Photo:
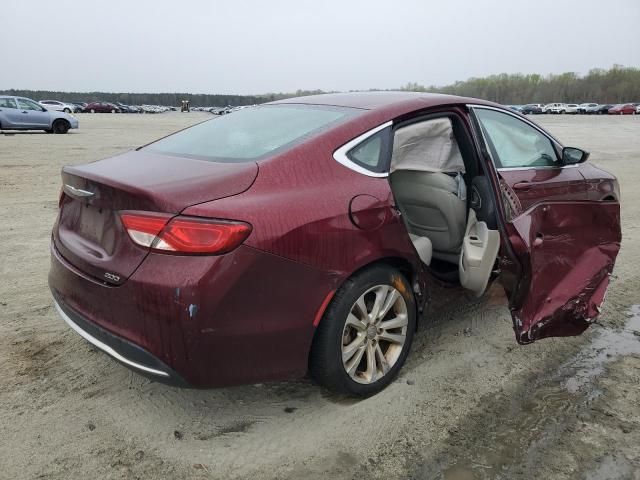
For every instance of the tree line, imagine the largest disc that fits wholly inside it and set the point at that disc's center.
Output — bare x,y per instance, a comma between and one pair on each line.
618,84
167,99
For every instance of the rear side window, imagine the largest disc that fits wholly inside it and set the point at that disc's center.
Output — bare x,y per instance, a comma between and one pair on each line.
372,153
251,133
7,103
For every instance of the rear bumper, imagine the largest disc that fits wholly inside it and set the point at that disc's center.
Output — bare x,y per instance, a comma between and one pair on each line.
125,352
205,321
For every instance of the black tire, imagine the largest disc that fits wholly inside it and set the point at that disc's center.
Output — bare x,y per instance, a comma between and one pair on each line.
60,126
66,110
325,359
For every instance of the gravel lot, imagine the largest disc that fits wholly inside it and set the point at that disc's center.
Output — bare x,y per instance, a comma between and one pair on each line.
470,403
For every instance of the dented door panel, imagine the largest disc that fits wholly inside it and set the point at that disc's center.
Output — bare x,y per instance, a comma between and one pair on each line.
567,251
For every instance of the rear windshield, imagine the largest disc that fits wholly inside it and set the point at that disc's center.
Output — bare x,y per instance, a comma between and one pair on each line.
251,133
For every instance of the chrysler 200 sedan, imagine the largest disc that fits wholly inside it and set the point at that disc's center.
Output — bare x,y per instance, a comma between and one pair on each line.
303,236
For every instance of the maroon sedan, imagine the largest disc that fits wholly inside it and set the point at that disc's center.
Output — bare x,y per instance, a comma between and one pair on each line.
303,236
101,107
623,109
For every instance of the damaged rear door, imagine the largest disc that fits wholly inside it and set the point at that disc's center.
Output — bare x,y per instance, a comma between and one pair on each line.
558,250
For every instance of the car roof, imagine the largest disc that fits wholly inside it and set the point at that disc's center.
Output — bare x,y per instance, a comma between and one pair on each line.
381,100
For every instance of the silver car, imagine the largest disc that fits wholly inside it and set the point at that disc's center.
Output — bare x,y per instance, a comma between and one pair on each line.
19,113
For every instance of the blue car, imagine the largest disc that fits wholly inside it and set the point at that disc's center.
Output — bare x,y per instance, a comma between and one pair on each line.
19,113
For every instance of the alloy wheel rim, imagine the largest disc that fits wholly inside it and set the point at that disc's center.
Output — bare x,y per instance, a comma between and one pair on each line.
374,334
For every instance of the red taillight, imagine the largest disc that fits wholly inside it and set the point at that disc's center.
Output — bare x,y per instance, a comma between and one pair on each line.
189,235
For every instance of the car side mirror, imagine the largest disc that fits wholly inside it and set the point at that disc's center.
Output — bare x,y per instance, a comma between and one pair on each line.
572,156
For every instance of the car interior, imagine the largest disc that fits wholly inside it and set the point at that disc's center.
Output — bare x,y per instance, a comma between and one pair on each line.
433,166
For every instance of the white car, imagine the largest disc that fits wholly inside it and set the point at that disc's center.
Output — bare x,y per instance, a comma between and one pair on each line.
572,108
586,107
555,108
58,106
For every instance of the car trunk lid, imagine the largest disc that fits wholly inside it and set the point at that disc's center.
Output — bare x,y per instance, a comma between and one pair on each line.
89,233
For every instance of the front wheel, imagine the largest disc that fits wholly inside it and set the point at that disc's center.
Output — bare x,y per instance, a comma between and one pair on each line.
365,334
60,126
66,110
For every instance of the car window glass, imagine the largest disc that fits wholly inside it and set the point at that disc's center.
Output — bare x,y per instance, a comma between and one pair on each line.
515,143
7,103
368,152
28,105
251,133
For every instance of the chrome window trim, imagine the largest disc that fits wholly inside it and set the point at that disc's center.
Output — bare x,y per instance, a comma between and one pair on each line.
106,348
340,155
76,192
528,122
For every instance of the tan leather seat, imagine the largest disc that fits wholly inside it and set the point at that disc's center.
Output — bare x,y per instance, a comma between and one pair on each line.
430,204
424,165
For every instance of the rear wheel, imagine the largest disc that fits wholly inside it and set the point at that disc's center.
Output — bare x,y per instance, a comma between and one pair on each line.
93,111
365,334
66,110
60,126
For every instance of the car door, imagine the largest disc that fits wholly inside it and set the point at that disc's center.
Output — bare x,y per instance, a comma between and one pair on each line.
557,250
10,116
33,115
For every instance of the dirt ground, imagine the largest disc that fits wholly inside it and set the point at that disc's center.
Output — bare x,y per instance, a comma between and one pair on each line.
469,404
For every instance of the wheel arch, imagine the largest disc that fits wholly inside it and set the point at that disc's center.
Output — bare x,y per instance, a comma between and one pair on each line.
401,264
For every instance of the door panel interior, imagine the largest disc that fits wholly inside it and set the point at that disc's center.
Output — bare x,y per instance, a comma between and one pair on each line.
477,258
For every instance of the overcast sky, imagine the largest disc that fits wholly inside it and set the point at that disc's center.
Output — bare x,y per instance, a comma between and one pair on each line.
242,46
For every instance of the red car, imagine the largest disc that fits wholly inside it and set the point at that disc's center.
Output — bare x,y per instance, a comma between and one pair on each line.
623,109
303,236
101,107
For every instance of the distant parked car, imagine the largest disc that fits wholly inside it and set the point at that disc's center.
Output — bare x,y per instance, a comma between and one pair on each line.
532,108
126,108
515,108
80,105
555,108
601,109
637,108
19,113
102,107
59,106
584,107
623,109
572,108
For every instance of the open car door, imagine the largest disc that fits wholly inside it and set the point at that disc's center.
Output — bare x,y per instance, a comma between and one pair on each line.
557,254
